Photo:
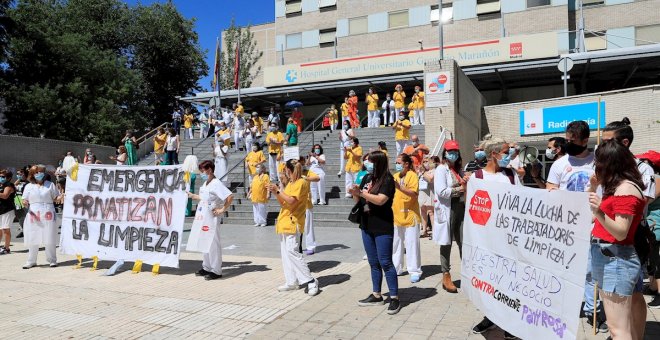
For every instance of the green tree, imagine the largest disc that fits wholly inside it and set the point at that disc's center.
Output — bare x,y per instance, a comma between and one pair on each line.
249,56
5,26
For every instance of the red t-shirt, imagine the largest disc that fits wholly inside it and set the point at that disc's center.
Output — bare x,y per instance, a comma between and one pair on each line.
622,205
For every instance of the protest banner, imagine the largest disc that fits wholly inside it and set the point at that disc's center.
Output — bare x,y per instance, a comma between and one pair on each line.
125,213
525,255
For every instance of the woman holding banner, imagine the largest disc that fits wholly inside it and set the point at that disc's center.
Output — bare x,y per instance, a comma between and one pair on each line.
41,225
292,193
215,200
616,266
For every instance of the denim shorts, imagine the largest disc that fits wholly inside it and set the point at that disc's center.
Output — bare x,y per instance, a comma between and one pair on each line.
616,268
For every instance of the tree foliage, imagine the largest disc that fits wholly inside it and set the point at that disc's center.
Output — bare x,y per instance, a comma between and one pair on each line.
86,70
5,27
249,56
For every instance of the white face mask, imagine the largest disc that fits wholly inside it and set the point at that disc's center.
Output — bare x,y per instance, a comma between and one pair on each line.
254,148
549,154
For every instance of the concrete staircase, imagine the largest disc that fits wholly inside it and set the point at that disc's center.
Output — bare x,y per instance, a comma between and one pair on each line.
335,213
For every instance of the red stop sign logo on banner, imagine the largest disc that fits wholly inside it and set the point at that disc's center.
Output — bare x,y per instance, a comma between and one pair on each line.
480,207
433,87
442,79
205,228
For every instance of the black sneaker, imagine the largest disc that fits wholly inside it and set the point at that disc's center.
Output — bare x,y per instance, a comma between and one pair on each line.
600,322
655,303
509,336
395,306
371,300
211,276
201,272
4,251
483,326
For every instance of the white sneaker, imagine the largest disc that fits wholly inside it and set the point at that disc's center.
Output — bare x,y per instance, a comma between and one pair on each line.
313,288
29,265
263,225
256,225
339,174
365,257
285,288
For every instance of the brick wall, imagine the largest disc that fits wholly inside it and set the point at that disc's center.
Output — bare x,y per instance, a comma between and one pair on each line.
641,105
637,13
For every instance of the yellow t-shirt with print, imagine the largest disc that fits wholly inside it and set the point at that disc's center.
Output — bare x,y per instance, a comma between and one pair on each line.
419,100
291,219
225,132
372,102
254,158
344,110
398,98
404,207
188,119
333,116
402,131
354,160
259,123
279,137
259,188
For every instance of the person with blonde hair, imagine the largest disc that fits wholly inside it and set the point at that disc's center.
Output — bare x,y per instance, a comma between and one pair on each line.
259,195
399,98
292,193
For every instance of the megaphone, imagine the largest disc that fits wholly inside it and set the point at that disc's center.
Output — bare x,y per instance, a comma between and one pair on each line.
528,155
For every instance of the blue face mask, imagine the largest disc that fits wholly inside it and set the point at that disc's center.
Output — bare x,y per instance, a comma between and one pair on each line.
451,156
369,166
481,154
512,151
3,180
204,176
39,176
19,177
504,162
398,167
317,151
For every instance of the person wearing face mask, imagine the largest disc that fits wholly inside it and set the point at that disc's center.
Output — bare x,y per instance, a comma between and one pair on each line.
515,164
373,115
238,129
21,211
353,156
406,219
416,151
254,159
214,199
292,193
275,140
89,158
496,170
401,133
367,168
249,135
554,151
121,156
353,110
332,114
449,190
221,160
427,196
316,163
273,118
291,134
258,122
259,195
39,197
7,208
388,111
172,146
345,136
308,235
131,145
344,111
479,161
399,98
418,101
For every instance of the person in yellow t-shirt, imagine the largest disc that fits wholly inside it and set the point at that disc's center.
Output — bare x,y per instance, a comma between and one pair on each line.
253,159
419,102
333,117
259,195
274,139
292,193
159,145
407,219
344,111
399,98
373,114
238,109
223,136
401,133
353,156
188,119
258,122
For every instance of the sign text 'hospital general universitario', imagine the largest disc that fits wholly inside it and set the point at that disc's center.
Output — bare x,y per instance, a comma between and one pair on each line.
501,50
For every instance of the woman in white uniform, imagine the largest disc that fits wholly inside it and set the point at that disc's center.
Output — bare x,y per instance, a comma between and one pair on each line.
316,163
214,199
221,161
41,225
345,137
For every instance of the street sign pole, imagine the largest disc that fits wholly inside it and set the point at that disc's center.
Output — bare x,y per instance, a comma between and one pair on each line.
565,79
565,64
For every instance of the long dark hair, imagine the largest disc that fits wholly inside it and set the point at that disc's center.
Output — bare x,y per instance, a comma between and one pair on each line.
458,165
614,164
381,171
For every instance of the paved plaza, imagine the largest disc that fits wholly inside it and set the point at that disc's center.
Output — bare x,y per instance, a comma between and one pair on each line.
67,303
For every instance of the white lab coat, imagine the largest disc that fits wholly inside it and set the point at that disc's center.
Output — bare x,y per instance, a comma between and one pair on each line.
442,184
221,162
41,226
214,194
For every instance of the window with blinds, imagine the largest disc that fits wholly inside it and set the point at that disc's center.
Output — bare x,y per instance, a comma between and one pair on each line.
293,41
358,25
293,6
447,13
595,42
327,36
537,3
488,6
645,35
327,3
398,19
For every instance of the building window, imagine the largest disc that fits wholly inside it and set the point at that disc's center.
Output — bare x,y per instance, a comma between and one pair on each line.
586,3
595,42
537,3
645,35
487,7
293,7
398,19
293,41
327,4
327,37
447,13
357,25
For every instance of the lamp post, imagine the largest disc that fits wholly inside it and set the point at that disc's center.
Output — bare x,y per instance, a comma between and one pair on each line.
442,44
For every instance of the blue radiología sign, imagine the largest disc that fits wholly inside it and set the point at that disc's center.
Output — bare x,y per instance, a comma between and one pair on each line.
555,119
